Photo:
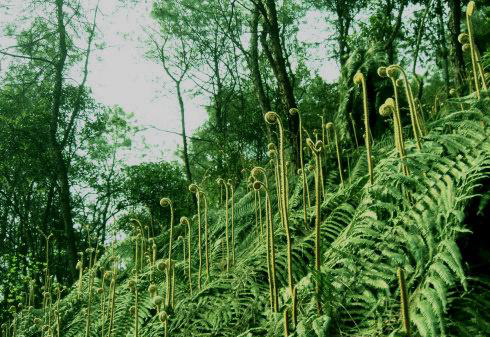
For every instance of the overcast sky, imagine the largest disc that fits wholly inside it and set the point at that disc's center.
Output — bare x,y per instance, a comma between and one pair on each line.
121,75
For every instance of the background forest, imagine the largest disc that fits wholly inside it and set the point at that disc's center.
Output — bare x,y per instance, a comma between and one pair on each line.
356,209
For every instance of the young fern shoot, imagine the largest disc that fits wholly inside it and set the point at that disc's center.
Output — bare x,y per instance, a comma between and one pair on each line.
185,221
271,257
404,301
360,80
293,112
386,109
273,118
193,188
221,182
230,185
392,72
475,54
330,126
166,202
316,148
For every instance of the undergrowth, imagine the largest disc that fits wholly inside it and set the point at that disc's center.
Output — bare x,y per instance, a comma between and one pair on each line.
412,222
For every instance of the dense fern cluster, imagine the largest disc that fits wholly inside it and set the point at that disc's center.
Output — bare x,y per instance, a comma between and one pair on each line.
367,231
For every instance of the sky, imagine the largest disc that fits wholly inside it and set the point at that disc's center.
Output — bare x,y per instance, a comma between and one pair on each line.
119,74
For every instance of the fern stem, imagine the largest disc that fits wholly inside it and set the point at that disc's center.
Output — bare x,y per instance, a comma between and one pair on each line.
337,148
294,306
89,304
172,264
480,68
185,221
102,304
206,236
469,13
316,149
257,186
354,129
303,177
257,231
293,112
391,71
322,184
271,118
221,181
286,323
112,289
260,216
360,80
273,154
269,235
164,202
232,222
58,318
404,301
194,189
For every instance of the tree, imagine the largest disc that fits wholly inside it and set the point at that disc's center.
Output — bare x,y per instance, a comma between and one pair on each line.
98,169
145,184
176,57
344,11
272,45
64,110
48,122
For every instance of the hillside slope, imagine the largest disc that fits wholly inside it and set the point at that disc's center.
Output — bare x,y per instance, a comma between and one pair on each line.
416,222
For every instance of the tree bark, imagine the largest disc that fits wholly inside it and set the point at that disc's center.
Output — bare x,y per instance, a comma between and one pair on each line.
459,73
59,161
253,59
390,42
184,136
420,35
278,64
343,25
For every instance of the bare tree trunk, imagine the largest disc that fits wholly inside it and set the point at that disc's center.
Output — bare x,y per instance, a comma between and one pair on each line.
264,101
459,73
343,25
184,136
177,79
60,163
420,35
278,64
390,43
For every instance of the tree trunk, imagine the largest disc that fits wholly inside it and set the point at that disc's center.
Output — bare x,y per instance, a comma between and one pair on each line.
264,101
390,43
278,64
59,160
218,105
457,60
343,25
184,136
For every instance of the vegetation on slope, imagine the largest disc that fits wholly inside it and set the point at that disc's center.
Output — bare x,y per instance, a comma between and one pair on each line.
413,222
